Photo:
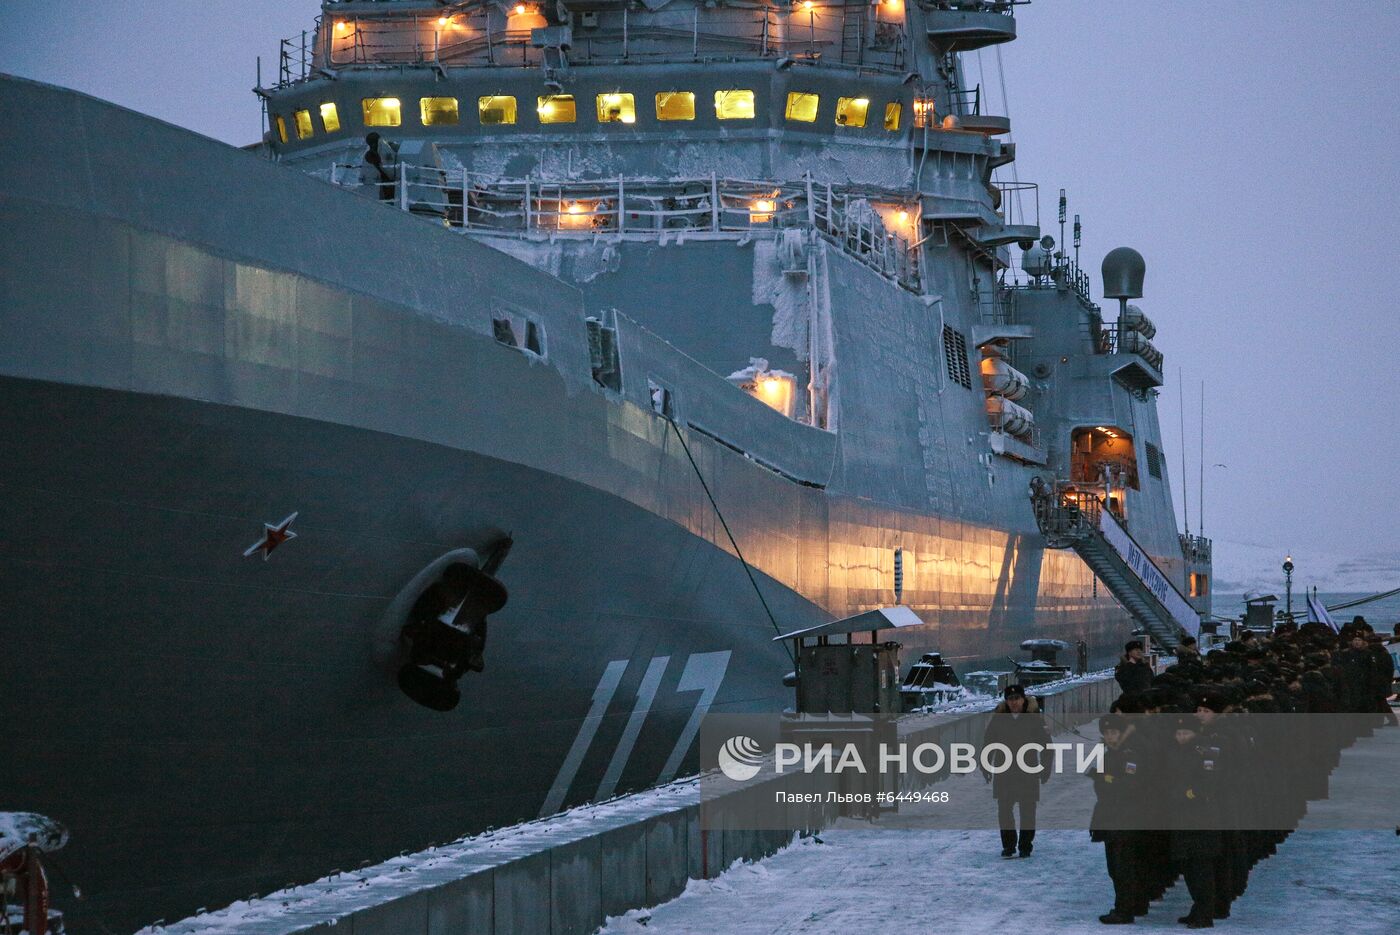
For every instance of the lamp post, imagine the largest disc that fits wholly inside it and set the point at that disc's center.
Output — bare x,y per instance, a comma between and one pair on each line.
1288,586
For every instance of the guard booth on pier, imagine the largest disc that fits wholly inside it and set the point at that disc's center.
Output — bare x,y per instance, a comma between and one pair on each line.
1259,612
848,692
837,675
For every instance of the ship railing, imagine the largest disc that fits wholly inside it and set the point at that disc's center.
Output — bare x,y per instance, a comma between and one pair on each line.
1116,339
1081,511
485,35
1018,203
1196,549
1006,7
1077,279
296,58
965,102
997,307
1064,274
650,207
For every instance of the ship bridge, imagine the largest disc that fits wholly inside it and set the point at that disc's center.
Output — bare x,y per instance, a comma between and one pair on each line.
852,91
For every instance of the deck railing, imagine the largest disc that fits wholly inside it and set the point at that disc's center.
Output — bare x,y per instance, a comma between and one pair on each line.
649,207
1195,548
487,35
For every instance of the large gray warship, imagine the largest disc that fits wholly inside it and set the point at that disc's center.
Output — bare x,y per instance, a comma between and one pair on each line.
641,328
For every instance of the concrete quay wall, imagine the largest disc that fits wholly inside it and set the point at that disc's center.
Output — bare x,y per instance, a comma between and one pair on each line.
567,874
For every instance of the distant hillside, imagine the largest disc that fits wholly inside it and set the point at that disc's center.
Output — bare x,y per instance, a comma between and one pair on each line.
1242,566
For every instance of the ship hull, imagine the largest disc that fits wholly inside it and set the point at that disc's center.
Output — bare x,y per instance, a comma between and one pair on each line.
209,725
218,343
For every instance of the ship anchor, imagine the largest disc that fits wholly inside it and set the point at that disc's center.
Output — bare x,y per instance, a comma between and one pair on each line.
445,634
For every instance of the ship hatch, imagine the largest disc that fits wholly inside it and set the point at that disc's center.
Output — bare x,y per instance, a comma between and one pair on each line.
1103,454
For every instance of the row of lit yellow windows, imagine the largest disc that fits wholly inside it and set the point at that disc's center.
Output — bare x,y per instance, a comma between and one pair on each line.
301,120
614,107
850,111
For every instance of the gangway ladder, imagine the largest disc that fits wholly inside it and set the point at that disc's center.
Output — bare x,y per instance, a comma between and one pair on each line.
853,17
1079,521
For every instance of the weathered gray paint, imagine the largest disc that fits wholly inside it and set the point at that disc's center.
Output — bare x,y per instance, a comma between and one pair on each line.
196,341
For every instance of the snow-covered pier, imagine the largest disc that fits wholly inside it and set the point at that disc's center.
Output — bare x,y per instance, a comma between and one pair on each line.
876,881
567,873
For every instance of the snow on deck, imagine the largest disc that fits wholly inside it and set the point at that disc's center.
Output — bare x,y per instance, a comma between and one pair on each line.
855,878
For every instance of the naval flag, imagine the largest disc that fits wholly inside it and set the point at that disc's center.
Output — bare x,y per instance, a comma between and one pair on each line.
1318,614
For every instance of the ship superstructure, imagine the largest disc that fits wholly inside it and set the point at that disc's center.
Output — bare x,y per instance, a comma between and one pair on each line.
679,323
728,174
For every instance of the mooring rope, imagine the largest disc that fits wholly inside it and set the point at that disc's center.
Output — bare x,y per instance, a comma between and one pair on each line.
737,551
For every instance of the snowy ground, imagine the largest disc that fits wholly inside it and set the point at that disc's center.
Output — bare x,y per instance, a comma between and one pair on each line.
859,880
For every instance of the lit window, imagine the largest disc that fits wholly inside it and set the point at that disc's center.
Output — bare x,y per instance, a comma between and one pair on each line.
892,116
576,215
495,110
773,389
303,121
381,111
924,115
330,119
281,127
438,111
802,106
556,108
850,111
761,210
616,108
734,105
675,105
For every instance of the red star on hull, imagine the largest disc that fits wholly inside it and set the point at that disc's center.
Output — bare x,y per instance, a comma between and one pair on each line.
272,537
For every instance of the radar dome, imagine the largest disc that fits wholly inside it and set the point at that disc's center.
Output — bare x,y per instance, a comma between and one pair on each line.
1036,261
1123,271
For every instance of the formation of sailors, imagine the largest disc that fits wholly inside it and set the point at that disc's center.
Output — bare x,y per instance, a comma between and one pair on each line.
1215,779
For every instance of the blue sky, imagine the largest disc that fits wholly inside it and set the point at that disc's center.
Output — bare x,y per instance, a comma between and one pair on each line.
1248,150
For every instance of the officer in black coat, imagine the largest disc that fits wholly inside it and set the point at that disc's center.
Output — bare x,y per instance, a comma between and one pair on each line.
1133,672
1116,793
1190,785
1356,666
1017,722
1225,745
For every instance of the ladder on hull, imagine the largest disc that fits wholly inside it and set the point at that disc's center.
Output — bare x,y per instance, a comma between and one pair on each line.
1078,521
853,17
